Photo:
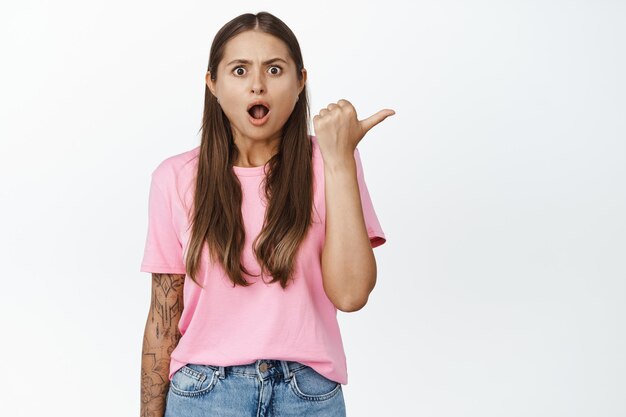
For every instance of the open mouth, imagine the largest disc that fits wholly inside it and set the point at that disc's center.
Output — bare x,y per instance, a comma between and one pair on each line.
258,111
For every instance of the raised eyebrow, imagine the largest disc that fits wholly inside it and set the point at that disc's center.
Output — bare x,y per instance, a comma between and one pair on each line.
245,61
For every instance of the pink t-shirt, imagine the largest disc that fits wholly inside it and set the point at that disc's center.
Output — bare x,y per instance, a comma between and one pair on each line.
224,326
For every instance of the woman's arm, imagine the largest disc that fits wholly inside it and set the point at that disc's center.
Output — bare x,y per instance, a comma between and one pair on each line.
348,263
160,337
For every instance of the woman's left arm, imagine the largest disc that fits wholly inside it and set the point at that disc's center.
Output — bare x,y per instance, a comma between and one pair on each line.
348,263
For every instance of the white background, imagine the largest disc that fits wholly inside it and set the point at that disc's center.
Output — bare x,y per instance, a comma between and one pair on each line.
500,184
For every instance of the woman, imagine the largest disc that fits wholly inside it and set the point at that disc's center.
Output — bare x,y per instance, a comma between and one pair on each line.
262,232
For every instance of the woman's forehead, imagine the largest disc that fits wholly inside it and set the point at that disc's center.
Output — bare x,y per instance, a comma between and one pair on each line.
255,47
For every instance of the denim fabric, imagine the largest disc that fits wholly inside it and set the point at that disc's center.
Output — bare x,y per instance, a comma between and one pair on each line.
265,388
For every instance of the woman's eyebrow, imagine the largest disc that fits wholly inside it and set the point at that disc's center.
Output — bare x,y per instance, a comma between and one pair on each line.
246,61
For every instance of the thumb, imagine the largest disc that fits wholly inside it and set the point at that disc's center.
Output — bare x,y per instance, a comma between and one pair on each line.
376,118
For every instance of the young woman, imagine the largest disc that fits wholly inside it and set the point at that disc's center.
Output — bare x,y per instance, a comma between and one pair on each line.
262,232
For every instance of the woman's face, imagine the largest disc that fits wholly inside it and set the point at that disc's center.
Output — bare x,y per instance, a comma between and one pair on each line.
245,75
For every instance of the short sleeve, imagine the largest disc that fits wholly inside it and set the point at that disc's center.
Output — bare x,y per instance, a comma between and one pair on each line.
374,230
163,252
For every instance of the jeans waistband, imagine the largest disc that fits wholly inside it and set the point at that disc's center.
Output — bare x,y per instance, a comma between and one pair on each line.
262,368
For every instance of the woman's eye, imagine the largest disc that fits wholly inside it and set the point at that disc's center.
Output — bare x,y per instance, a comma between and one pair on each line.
279,69
274,70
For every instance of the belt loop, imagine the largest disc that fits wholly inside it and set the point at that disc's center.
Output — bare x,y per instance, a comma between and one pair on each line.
286,371
222,373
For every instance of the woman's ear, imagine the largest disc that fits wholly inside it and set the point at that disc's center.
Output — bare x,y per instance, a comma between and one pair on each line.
303,80
209,82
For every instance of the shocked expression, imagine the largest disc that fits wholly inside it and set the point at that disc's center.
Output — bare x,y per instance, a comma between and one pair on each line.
256,84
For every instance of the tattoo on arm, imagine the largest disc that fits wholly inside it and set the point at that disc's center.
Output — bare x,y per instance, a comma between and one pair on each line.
166,306
167,299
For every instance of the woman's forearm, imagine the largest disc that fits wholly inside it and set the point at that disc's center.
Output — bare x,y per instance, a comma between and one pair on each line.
161,336
155,366
348,263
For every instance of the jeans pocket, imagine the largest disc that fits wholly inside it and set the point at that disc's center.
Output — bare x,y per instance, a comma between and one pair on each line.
309,384
192,380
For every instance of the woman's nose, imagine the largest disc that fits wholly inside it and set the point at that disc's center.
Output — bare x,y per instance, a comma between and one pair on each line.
258,84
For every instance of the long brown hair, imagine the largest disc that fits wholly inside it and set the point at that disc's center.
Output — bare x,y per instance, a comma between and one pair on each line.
288,185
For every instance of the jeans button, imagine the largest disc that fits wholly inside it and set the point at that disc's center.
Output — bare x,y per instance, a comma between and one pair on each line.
263,367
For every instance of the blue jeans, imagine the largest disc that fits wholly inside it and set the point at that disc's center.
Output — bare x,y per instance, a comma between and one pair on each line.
265,388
